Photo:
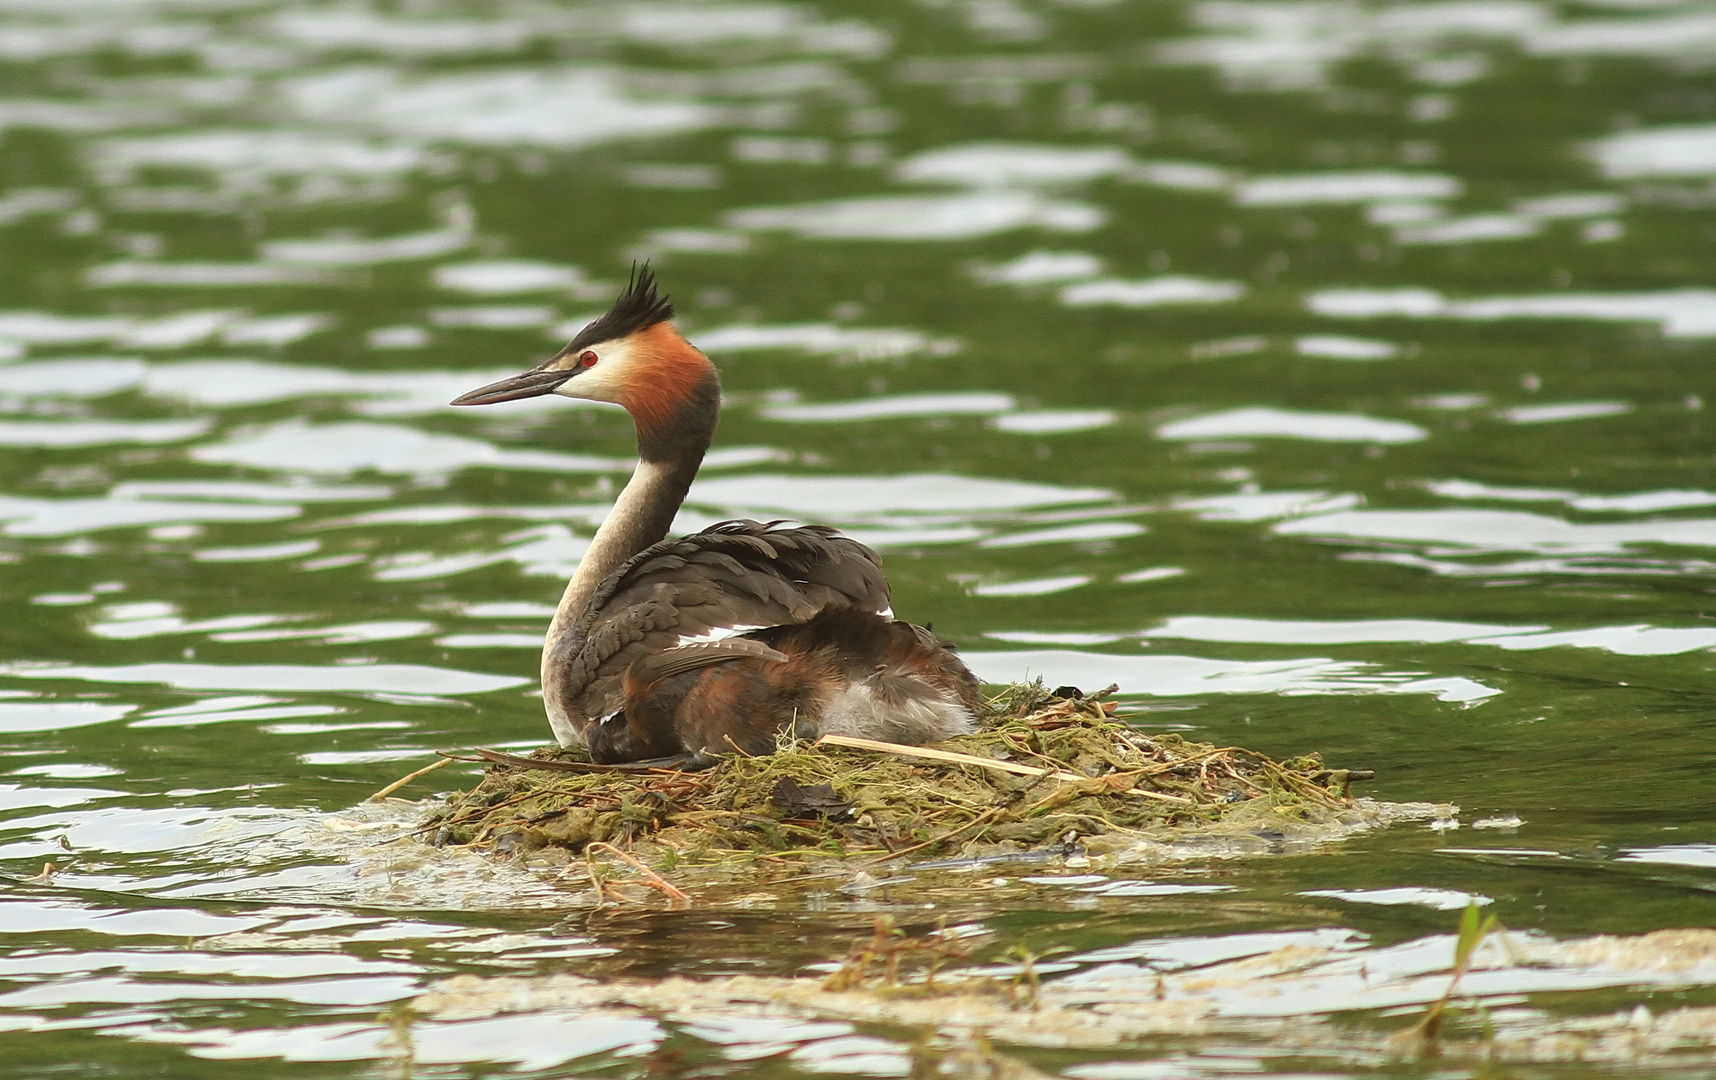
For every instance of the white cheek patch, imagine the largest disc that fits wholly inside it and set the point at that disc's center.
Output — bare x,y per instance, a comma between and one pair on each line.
605,380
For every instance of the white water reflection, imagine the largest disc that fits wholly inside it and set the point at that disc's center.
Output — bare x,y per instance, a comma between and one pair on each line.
1682,313
545,551
406,247
1338,347
1053,637
412,679
1285,48
122,990
94,376
782,27
1149,573
507,277
238,381
289,549
1150,292
45,328
177,331
1699,855
343,448
336,29
1181,953
859,1055
508,609
247,708
531,1041
249,491
1688,150
39,916
1032,586
1183,676
68,770
346,634
1180,175
1560,411
1642,502
1576,204
1005,164
1674,35
62,434
493,317
1264,505
1514,570
492,641
700,241
1450,402
1053,421
591,514
1467,531
921,217
1288,424
14,797
141,619
844,497
21,203
70,517
974,403
1040,268
1403,213
240,156
1085,532
1635,640
209,275
1304,189
562,108
82,117
397,337
22,716
1347,632
824,339
1470,489
1468,230
763,149
1224,347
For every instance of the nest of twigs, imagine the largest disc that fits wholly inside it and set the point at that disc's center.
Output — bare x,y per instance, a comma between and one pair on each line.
1047,769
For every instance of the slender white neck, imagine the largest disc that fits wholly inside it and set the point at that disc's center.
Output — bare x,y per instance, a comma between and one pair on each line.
641,516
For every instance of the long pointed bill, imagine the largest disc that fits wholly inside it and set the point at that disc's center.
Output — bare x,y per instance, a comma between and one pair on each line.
530,384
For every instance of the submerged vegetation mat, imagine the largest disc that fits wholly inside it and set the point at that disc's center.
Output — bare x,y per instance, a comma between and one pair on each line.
1243,998
1049,771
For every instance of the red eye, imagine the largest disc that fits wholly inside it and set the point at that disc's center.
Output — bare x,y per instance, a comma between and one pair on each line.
588,359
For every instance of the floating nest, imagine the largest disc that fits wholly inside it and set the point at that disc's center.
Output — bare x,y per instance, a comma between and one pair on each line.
1050,771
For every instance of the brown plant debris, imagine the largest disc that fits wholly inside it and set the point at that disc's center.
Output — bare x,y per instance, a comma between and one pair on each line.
1093,781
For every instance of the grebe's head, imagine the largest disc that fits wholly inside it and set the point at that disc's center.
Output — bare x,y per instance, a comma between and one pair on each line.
630,356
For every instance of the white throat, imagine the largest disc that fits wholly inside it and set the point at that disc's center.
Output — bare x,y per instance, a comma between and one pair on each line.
641,516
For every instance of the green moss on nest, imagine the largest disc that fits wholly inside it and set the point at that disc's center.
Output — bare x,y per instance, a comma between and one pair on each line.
808,801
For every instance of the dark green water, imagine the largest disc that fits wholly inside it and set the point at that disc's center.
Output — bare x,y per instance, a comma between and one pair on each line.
1331,375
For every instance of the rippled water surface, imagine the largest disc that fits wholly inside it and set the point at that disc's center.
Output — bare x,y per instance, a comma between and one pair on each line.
1330,375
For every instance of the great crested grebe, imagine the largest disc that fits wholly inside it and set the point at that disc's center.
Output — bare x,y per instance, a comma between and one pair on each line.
682,650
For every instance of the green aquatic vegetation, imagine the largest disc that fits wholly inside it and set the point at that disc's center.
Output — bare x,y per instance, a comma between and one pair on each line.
1423,1038
1045,771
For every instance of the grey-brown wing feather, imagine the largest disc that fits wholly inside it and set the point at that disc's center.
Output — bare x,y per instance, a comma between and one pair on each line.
701,654
734,574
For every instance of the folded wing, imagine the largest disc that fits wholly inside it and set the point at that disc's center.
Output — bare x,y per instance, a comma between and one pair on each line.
737,575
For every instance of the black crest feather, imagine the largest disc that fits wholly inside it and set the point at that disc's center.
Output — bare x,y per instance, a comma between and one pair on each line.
640,307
